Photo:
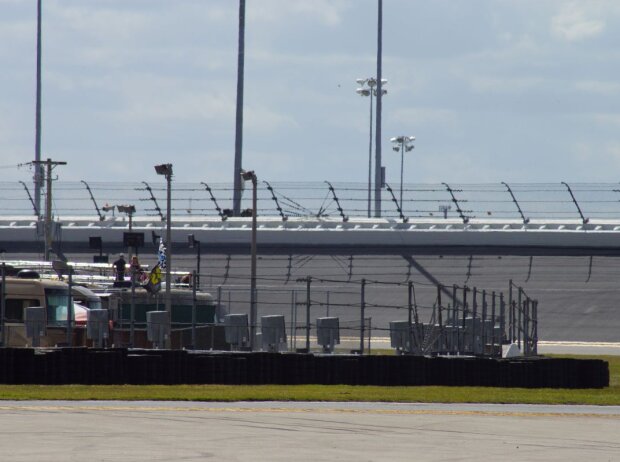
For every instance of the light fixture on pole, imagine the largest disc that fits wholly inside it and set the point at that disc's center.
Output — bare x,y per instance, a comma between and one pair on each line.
251,176
194,243
402,144
368,88
129,210
166,170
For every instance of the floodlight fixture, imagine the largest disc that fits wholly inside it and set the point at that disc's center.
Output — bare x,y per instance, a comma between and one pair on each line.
248,176
164,169
129,209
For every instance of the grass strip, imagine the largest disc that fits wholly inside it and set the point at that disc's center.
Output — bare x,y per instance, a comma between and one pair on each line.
329,393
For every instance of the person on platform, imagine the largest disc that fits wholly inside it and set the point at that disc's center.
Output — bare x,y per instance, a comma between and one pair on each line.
119,268
135,269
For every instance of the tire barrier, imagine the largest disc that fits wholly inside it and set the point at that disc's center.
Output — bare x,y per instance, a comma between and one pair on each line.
141,367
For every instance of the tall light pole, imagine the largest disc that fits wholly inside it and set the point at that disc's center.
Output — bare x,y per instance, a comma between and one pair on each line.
378,136
239,116
402,144
251,176
38,167
367,88
166,170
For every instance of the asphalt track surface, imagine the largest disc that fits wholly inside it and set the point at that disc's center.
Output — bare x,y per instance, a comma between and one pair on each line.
277,431
578,295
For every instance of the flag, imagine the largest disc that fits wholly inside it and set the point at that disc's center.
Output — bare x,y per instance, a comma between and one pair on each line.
153,283
161,256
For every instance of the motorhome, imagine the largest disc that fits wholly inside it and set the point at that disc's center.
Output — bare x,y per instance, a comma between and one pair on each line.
28,289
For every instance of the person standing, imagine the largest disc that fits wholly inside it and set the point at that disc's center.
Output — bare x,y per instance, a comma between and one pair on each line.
119,268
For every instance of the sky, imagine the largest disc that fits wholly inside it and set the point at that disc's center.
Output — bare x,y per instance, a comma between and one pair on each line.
493,90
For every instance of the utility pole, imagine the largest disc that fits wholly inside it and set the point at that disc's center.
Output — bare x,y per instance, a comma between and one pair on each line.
239,117
38,170
49,165
378,136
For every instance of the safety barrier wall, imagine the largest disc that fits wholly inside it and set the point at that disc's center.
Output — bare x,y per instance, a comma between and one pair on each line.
122,366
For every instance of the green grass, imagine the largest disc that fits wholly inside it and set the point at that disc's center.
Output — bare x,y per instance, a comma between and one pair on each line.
606,396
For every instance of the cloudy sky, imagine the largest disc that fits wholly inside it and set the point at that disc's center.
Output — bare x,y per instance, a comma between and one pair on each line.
513,90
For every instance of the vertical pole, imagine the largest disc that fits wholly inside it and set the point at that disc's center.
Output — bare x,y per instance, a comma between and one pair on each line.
38,170
295,320
370,157
510,313
239,115
168,341
253,313
48,211
132,314
196,278
464,325
484,320
3,305
410,314
518,323
502,318
327,310
308,282
362,314
473,320
439,319
292,319
70,309
493,324
535,326
194,312
402,165
455,318
439,313
378,135
369,333
526,326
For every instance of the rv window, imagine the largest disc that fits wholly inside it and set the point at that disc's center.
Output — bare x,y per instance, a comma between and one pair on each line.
14,309
57,306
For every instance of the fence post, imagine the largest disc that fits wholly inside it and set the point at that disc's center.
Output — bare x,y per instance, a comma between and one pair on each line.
484,320
327,310
462,347
535,326
474,314
410,314
369,332
308,282
3,305
502,318
439,319
526,326
510,313
455,318
296,303
292,328
193,310
493,324
362,309
518,323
